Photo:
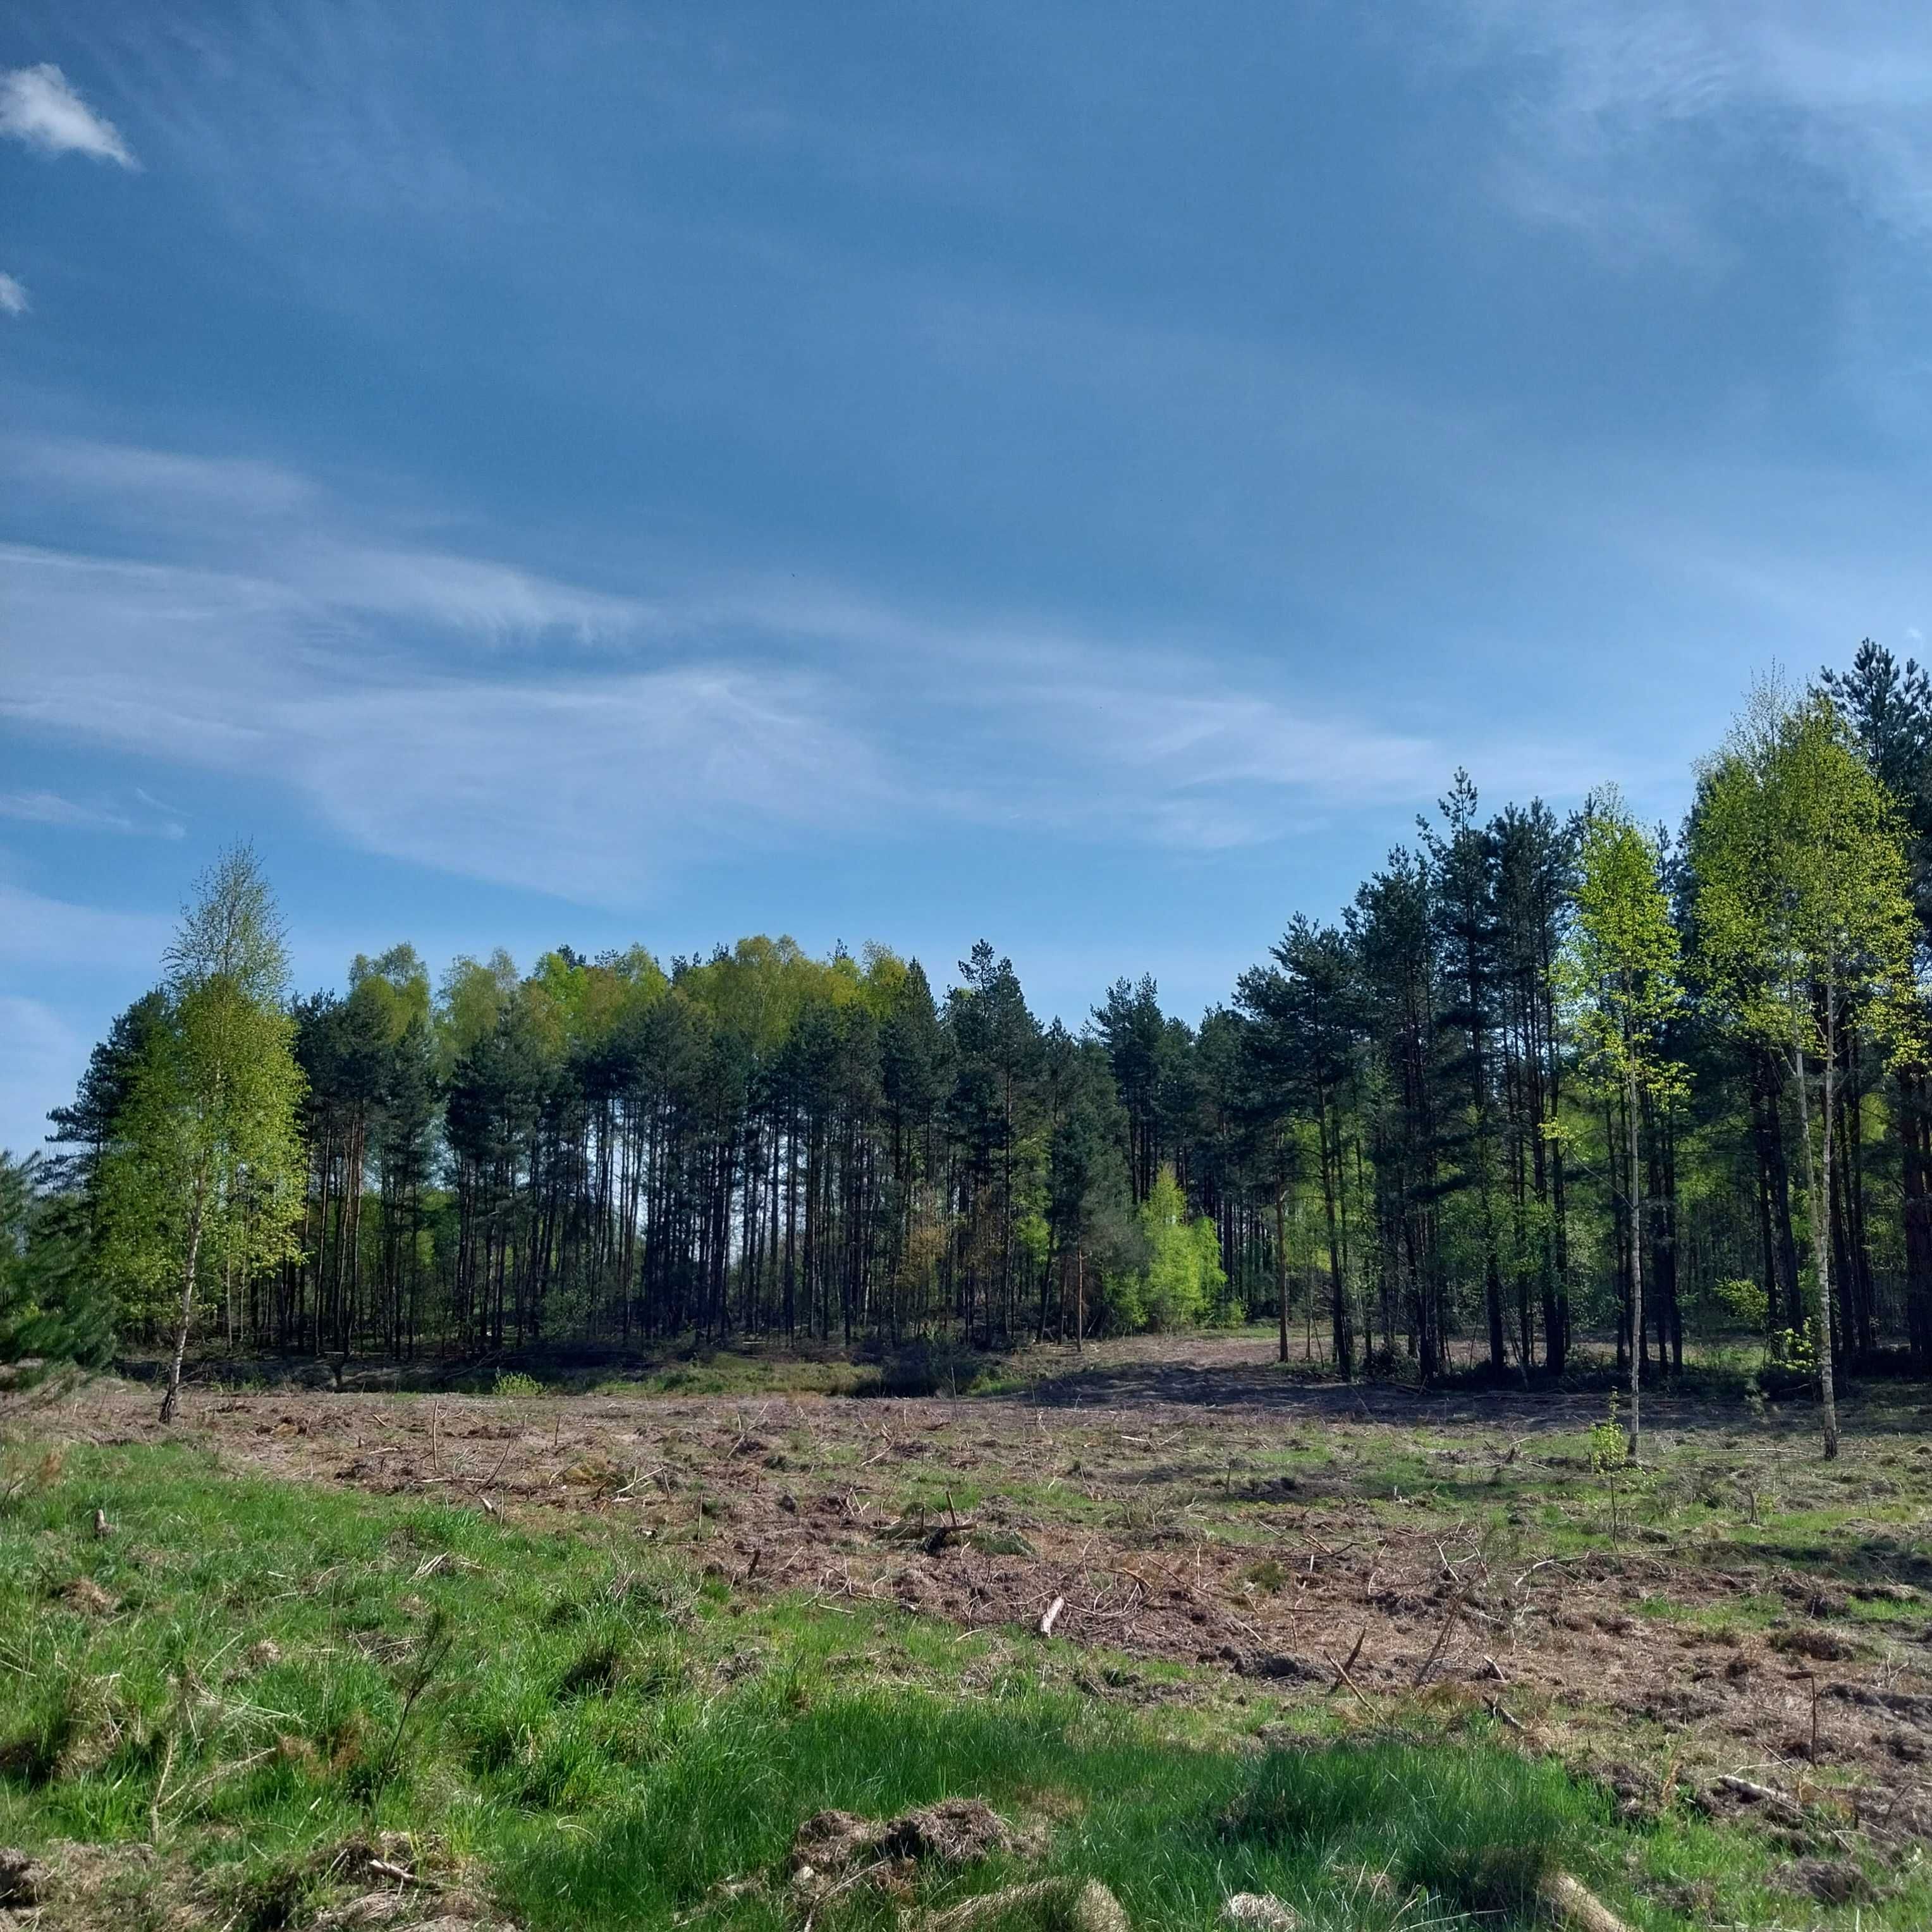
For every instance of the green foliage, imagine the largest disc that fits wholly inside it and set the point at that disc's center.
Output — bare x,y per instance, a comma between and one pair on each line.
204,1175
1182,1280
1620,972
1801,880
1397,1126
1744,1300
1609,1446
51,1308
514,1381
1794,1350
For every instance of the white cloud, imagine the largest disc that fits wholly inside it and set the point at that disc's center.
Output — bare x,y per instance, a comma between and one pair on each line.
48,808
13,296
315,558
39,106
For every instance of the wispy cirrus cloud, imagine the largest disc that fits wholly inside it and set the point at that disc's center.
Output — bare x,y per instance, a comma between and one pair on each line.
40,106
13,296
584,781
53,808
1605,99
158,479
598,738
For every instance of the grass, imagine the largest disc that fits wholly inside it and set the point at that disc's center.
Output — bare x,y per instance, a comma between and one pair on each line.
249,1673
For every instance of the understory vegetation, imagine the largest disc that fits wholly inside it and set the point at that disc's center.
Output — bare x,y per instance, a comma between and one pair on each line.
231,1680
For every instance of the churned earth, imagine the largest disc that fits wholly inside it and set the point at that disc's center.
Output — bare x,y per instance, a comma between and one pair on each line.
1736,1624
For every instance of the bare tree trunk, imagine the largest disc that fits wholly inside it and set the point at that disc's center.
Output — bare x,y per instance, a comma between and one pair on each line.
1637,1271
1281,1261
1821,1244
171,1402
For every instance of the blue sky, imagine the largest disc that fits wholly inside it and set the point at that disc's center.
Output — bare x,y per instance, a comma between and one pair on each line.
1080,475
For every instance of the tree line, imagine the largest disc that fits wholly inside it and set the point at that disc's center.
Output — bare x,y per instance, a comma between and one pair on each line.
1542,1075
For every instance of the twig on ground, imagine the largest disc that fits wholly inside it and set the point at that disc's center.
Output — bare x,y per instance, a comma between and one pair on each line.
403,1875
1342,1672
160,1787
1441,1641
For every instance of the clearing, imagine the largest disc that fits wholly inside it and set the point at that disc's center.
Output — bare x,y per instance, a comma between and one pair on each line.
1731,1647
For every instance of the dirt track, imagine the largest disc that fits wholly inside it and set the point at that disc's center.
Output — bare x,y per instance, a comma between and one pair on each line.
1320,1541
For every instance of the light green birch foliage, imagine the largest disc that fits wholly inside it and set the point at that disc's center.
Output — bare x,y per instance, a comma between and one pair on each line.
1805,925
204,1181
1621,974
1802,884
1184,1279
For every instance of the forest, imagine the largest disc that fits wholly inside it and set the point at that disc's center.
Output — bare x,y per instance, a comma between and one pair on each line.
1543,1081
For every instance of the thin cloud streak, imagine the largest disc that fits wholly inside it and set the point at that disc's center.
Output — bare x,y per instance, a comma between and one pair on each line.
51,809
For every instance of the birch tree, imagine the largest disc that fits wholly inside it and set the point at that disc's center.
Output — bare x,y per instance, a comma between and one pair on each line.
206,1172
1621,979
1804,926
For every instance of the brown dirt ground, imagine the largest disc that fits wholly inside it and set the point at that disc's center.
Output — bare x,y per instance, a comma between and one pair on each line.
1164,1495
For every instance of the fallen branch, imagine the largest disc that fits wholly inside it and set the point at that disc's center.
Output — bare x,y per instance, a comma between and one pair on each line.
161,1788
1441,1642
1570,1903
1052,1616
1090,1907
1762,1794
1342,1671
402,1874
490,1480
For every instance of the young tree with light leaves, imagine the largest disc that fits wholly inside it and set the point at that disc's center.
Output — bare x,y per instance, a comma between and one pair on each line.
1804,924
1620,975
206,1171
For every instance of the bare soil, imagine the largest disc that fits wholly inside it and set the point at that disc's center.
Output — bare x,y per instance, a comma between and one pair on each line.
1756,1615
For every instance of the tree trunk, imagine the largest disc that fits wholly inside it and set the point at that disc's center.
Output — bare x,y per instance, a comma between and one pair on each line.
1281,1260
1916,1145
171,1402
1770,1134
1637,1272
1337,1285
1821,1243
